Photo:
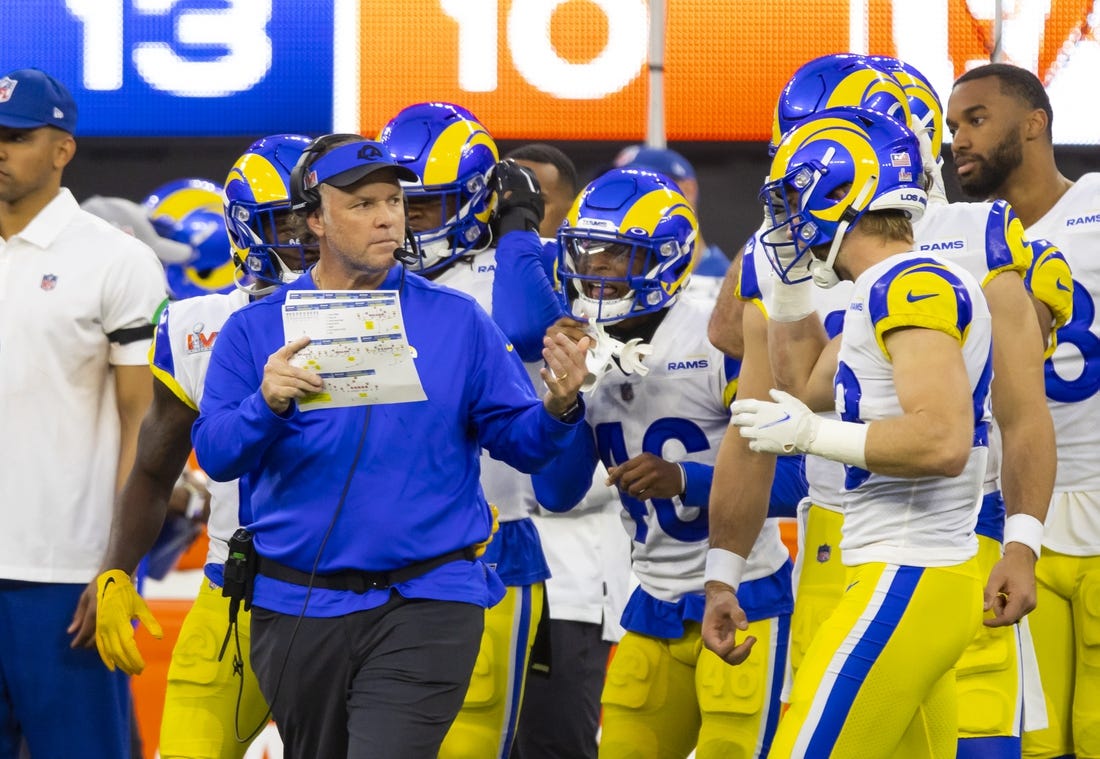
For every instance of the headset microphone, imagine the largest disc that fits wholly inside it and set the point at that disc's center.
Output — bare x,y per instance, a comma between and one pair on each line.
409,254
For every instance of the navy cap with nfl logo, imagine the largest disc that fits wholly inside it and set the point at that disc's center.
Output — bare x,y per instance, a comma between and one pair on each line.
30,98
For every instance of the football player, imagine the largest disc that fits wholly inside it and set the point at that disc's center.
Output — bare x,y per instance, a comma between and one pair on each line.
213,705
658,405
911,383
1000,118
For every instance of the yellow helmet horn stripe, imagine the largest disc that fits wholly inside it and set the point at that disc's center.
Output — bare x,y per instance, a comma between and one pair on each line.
440,168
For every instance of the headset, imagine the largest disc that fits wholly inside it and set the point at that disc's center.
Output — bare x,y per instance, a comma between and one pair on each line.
305,195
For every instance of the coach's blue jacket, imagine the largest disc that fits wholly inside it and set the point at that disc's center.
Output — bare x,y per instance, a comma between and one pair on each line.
414,493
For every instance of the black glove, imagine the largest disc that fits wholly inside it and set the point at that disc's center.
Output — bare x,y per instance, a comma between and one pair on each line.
519,198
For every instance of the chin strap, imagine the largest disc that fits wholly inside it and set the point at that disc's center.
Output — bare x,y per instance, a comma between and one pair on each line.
600,358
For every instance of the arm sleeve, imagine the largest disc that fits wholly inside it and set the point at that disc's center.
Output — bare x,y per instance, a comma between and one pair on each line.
235,425
789,486
524,301
565,481
697,481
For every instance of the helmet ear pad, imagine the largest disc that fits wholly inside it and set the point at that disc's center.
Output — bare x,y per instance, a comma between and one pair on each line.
305,199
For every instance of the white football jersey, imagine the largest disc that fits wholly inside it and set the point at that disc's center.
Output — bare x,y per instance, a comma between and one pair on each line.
1073,373
180,357
680,412
986,239
926,521
506,488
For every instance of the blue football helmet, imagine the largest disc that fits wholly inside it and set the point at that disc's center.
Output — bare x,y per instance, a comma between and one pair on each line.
926,110
190,211
827,172
257,204
454,156
840,79
627,247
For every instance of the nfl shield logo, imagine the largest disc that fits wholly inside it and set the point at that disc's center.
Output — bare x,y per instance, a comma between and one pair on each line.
7,86
49,281
824,551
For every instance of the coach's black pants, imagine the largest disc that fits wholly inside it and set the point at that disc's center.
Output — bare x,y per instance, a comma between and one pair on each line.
383,683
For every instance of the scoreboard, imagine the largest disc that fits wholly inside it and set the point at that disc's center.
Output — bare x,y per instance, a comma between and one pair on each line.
530,69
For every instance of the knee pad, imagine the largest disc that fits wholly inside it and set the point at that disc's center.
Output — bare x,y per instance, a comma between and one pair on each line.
195,655
1086,703
731,700
632,678
989,684
733,691
1089,630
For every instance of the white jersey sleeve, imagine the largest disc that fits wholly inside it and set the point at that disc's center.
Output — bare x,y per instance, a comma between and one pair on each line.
180,357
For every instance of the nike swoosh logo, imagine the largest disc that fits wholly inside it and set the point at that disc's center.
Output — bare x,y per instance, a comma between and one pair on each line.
851,586
784,418
913,298
105,586
1063,287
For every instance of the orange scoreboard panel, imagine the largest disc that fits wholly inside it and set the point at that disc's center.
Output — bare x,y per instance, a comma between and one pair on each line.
578,69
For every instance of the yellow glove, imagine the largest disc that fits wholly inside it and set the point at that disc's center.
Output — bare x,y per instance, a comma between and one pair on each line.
481,548
117,603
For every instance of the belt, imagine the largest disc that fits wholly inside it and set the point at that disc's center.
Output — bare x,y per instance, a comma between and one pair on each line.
360,581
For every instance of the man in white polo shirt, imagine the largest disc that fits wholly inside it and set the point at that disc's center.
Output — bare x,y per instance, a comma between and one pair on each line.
77,297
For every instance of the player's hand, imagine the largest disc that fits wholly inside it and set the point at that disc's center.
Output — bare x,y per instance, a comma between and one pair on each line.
647,476
564,372
1010,593
569,326
284,383
783,427
519,197
119,603
483,546
723,619
82,628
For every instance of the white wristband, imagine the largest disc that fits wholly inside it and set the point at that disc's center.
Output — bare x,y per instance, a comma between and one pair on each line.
789,303
845,442
1026,529
683,480
724,566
